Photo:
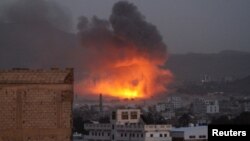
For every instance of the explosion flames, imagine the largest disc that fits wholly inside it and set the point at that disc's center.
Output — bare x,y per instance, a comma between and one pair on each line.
125,55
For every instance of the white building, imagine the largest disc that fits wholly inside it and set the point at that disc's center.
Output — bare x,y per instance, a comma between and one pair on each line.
126,125
195,133
202,106
212,107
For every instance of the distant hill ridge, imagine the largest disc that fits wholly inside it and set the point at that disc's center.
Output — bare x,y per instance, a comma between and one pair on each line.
193,66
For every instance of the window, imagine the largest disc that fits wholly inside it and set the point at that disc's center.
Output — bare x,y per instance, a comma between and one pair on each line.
142,135
113,126
191,137
114,115
121,135
102,133
165,135
202,136
125,135
160,135
108,134
151,135
113,137
134,115
124,115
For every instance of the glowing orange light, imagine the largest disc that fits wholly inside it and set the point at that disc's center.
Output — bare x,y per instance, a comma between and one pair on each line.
133,77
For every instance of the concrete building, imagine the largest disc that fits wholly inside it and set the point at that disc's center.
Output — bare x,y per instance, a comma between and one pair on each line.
163,107
36,105
195,133
202,106
127,125
212,107
175,101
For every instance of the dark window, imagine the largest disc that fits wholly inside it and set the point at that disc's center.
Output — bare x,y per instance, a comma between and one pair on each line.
142,135
202,136
125,135
151,135
124,115
102,133
133,115
191,137
137,134
160,135
165,135
108,134
121,135
114,115
113,137
113,126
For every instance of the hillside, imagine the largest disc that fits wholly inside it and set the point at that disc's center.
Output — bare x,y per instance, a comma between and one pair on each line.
193,66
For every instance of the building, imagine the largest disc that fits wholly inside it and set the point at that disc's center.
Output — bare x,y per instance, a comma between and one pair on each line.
127,125
36,105
198,106
246,106
168,114
202,106
175,101
163,107
194,133
212,107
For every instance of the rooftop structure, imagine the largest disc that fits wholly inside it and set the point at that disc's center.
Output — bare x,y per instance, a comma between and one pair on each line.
127,125
194,133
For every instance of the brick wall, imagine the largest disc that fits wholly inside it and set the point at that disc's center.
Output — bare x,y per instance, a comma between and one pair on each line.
36,111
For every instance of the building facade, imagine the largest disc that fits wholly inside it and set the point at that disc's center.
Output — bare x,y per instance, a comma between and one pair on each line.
175,101
195,133
126,125
36,105
202,106
212,107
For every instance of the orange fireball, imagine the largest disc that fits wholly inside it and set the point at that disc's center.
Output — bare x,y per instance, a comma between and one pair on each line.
135,76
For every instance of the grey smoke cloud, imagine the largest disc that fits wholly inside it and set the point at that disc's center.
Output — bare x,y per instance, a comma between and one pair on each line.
33,34
37,12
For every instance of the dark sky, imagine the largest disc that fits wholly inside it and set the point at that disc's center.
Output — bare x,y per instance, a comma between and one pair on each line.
186,25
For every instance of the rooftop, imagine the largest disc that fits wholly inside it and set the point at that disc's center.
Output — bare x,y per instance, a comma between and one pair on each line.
39,76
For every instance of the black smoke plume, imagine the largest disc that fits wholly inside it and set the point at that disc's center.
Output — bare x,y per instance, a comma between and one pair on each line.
126,24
